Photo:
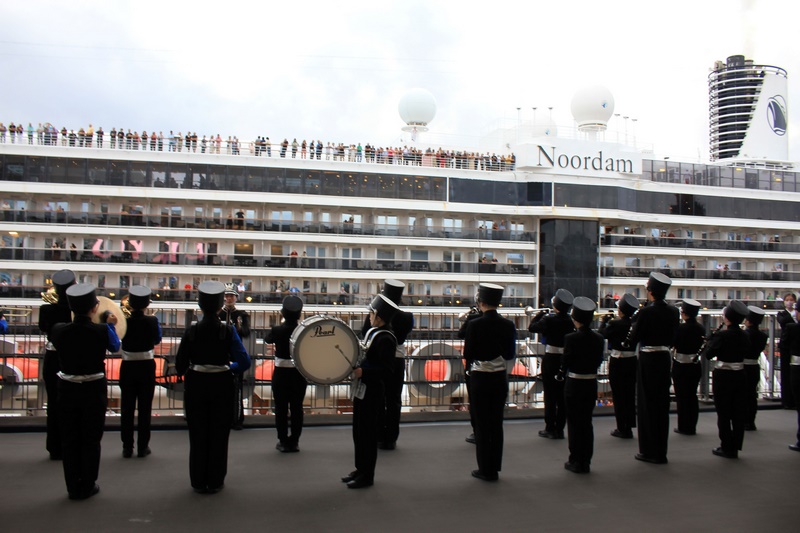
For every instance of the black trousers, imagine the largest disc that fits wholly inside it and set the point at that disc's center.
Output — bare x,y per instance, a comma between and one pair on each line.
653,382
729,401
82,414
289,389
49,374
365,428
468,384
795,379
787,394
555,416
752,378
580,397
208,415
685,379
488,398
137,382
389,415
622,378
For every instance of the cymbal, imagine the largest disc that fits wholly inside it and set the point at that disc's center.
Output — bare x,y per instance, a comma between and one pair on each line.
107,304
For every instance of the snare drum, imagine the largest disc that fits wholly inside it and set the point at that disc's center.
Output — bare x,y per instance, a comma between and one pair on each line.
324,349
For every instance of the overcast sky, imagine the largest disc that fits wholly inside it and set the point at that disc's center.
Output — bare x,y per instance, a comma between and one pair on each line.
337,70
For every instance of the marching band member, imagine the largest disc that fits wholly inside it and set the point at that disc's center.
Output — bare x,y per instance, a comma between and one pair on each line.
473,313
209,356
241,321
792,339
622,366
583,354
552,328
490,343
50,314
786,317
137,373
729,346
654,331
288,385
752,368
686,367
371,375
82,391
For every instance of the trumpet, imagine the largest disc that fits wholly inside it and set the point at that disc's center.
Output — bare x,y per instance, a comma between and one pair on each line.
466,314
530,311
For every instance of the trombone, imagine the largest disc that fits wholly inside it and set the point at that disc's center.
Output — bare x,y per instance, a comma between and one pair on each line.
18,312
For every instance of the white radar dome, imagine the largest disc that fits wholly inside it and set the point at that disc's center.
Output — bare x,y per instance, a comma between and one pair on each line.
417,107
592,107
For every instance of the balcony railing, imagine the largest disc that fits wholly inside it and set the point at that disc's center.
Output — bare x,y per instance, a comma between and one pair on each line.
699,273
704,244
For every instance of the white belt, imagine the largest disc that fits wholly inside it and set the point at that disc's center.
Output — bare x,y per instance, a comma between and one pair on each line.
723,365
795,360
751,361
553,349
654,349
400,352
282,362
137,356
620,354
685,357
209,369
573,375
81,378
498,364
49,346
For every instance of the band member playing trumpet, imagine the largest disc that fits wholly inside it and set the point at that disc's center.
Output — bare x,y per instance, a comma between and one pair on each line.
490,343
210,354
752,369
654,331
288,385
583,354
82,391
552,328
474,312
686,367
622,365
729,347
137,373
241,321
54,311
380,346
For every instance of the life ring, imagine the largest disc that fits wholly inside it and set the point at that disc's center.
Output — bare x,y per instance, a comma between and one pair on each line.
436,369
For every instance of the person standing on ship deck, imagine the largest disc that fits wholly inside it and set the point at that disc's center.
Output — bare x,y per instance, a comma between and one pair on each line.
686,368
622,366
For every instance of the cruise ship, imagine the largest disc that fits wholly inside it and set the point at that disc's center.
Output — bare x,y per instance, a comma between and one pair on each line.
574,211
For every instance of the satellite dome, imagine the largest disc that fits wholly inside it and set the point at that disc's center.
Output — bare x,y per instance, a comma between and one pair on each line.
417,107
592,107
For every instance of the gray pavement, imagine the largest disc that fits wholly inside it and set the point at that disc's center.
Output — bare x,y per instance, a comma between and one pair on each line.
423,485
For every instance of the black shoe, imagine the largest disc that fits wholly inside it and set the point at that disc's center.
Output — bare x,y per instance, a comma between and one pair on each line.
652,460
200,490
350,477
471,438
577,468
795,447
144,453
360,482
237,427
485,477
85,495
559,435
387,445
719,452
679,432
55,456
750,427
127,453
547,434
215,490
622,434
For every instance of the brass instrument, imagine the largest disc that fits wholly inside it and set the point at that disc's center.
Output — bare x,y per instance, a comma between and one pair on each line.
530,311
125,305
462,317
21,312
107,304
50,296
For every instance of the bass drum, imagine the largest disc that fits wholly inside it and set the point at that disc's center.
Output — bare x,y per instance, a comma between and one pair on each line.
324,349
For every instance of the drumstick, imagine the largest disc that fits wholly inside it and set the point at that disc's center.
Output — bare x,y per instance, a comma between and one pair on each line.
345,357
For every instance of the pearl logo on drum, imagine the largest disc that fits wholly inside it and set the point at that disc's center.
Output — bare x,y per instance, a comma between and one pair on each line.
320,331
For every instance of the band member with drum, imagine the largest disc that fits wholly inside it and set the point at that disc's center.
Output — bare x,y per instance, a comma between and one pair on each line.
552,328
752,368
622,366
654,331
785,317
491,344
402,324
137,373
686,367
241,321
729,346
288,385
583,354
55,311
82,390
380,345
209,356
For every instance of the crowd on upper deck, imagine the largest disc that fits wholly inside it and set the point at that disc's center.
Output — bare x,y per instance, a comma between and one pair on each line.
121,139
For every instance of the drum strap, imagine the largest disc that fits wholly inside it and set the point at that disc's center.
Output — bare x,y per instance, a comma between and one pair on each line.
374,332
